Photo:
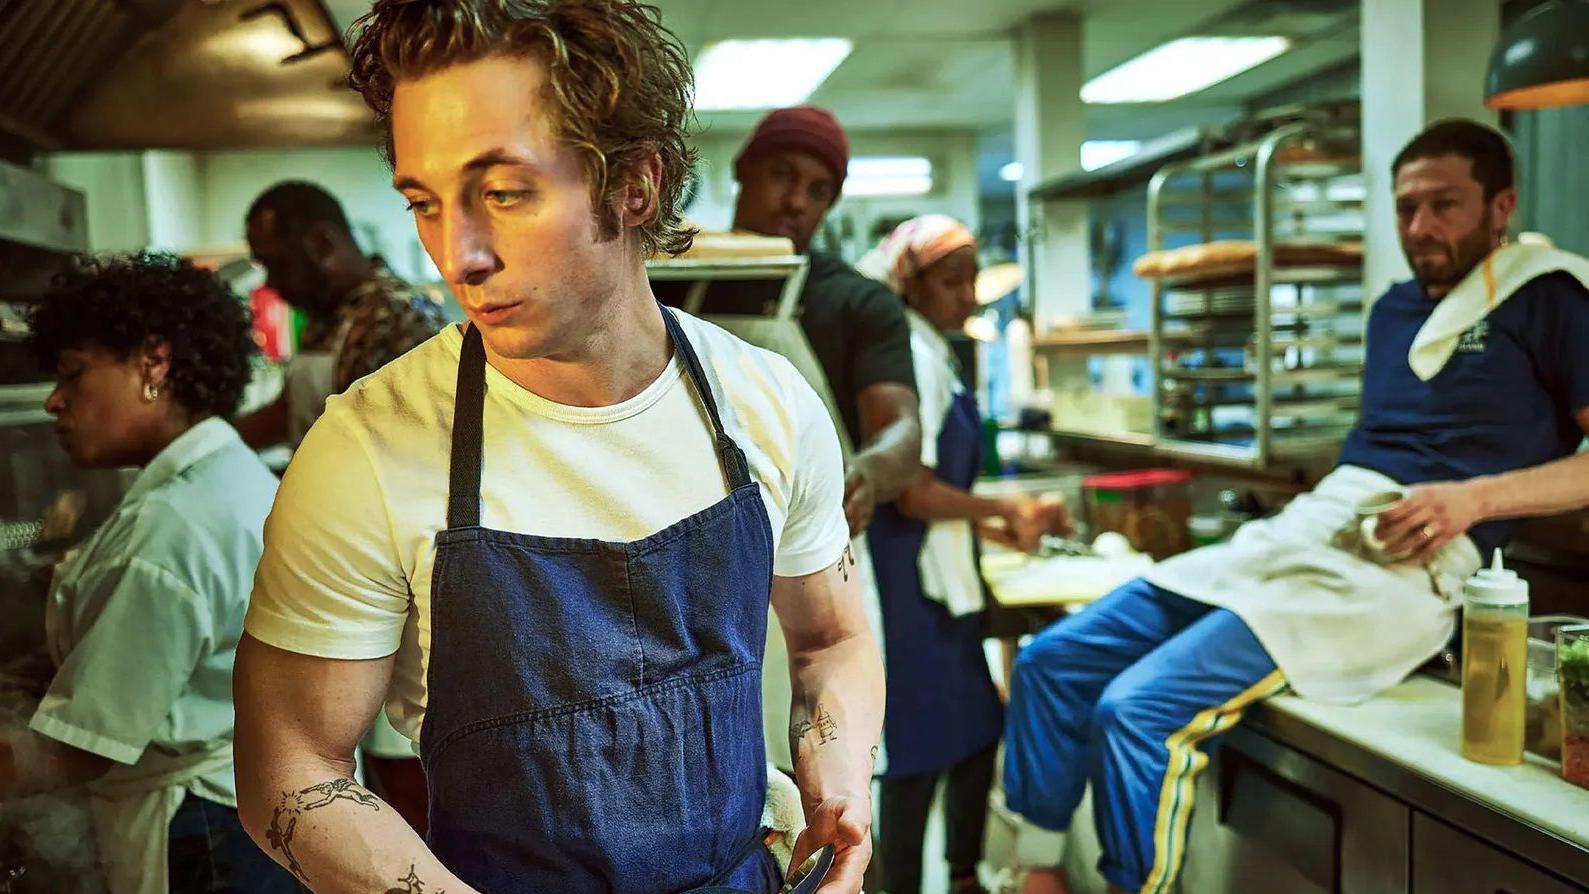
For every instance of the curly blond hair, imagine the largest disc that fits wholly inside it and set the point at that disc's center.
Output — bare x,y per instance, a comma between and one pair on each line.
618,79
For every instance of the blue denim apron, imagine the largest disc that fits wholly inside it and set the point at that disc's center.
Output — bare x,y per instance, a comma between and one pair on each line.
942,704
594,712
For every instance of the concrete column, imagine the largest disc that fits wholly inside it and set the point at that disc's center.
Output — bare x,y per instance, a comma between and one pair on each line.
1050,124
1423,60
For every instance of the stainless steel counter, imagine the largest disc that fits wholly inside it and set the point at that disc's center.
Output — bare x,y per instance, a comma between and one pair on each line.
1403,744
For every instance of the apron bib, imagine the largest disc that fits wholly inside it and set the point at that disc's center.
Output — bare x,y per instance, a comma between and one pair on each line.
594,713
942,704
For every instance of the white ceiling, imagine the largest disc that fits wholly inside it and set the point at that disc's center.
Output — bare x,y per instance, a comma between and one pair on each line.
947,64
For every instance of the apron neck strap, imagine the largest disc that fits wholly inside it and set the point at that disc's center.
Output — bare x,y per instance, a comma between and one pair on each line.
463,479
463,484
735,468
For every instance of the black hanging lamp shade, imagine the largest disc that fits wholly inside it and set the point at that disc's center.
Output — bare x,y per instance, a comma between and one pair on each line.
1542,60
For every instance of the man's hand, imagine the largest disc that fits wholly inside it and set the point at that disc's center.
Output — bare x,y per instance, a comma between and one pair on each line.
846,823
860,498
1428,518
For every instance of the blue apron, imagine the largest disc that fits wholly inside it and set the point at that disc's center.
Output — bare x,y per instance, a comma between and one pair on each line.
594,713
942,704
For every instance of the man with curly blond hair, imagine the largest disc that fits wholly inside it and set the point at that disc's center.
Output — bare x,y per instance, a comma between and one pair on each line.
547,540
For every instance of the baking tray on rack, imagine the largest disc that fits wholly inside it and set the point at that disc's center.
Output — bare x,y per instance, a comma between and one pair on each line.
1324,341
1228,301
1310,406
1238,301
1322,373
1300,376
1234,276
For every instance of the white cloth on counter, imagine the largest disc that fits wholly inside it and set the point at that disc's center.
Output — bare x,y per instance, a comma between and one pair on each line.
1341,628
947,563
351,543
1500,275
142,624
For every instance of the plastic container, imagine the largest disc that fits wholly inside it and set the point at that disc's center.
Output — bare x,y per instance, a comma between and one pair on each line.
1150,507
1542,732
1494,665
1572,669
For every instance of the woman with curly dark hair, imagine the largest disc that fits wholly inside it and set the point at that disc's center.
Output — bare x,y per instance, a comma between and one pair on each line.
151,355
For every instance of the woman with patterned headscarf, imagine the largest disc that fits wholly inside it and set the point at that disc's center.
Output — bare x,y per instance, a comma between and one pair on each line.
943,716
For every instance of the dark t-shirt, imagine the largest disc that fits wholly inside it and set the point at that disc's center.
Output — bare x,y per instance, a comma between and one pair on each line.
857,329
1504,401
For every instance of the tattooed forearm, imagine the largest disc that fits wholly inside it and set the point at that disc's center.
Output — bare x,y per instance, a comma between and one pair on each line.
413,884
284,819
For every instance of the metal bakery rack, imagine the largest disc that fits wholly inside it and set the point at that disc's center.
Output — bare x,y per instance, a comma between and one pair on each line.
1256,259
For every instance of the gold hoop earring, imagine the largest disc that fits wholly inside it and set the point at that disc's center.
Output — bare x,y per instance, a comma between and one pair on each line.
150,392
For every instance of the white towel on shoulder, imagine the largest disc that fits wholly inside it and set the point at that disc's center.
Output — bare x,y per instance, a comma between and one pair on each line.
1486,287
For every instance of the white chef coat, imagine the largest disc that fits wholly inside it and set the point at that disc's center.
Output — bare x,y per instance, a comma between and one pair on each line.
143,624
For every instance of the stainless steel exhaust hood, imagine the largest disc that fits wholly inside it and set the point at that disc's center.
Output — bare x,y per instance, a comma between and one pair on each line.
177,74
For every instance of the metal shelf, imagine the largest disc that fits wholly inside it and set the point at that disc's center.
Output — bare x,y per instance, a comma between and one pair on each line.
725,268
1295,412
1194,374
1314,274
1093,343
790,269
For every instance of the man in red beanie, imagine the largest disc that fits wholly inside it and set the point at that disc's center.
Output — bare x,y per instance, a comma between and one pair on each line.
790,173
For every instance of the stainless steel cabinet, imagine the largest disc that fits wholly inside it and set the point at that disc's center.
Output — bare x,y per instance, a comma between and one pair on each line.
1446,860
1274,819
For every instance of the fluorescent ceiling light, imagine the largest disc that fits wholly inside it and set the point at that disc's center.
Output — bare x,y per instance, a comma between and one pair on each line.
887,175
1098,153
1181,67
764,74
1094,154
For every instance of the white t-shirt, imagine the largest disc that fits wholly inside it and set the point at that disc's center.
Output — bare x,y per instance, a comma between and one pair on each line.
350,544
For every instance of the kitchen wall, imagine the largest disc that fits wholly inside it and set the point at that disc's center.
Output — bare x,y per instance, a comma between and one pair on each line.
174,188
1553,176
113,184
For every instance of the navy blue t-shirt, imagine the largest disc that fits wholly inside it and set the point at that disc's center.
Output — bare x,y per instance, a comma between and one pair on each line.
1504,401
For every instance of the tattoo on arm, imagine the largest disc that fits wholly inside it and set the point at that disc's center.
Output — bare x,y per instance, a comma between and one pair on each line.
823,722
846,561
826,726
284,820
413,884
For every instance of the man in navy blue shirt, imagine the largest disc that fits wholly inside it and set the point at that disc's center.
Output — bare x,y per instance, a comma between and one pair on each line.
1133,694
1477,440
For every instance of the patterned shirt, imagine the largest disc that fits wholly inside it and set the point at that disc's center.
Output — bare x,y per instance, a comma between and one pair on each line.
379,321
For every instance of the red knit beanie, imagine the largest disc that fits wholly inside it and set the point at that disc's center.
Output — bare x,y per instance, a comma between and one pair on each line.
800,129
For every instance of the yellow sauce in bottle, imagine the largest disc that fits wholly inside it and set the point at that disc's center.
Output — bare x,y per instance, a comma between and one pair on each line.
1494,696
